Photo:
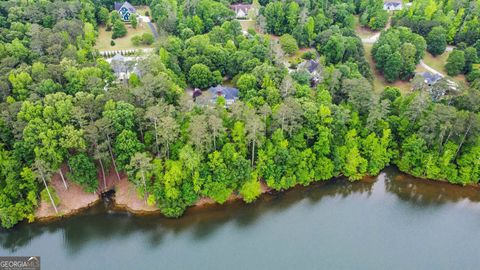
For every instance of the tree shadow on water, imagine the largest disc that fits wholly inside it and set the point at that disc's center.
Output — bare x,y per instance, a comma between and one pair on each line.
428,193
102,224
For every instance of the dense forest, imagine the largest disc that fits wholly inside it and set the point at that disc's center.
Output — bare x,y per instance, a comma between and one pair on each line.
60,102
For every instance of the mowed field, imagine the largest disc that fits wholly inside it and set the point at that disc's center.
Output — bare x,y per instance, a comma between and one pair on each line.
105,37
123,43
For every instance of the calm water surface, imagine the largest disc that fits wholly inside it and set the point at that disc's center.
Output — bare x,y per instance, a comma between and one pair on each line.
391,222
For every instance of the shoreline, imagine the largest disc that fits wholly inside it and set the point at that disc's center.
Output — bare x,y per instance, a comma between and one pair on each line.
126,199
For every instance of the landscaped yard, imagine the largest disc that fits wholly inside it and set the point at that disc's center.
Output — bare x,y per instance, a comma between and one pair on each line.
123,43
105,37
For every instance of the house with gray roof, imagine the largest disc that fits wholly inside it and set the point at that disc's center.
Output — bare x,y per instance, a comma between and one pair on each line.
229,93
313,68
124,67
210,97
125,10
393,5
430,78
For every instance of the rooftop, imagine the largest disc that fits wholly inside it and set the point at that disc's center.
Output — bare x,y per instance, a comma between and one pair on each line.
229,93
310,65
430,78
126,4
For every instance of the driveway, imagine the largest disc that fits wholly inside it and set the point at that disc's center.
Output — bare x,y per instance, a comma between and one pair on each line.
430,69
374,38
154,31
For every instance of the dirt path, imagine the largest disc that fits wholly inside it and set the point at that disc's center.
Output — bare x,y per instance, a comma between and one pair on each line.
374,38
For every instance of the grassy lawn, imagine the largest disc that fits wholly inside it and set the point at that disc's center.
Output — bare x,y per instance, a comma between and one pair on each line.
379,82
438,63
142,9
123,43
247,24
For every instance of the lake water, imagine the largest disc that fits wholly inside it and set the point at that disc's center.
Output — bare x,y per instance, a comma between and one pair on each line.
390,222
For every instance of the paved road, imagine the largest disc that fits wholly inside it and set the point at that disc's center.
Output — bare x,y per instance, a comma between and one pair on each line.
154,31
430,69
374,38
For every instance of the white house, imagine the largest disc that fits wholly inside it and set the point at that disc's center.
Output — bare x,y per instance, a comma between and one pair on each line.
241,10
123,67
393,5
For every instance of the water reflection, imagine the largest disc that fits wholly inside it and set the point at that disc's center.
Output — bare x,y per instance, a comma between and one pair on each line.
427,193
100,223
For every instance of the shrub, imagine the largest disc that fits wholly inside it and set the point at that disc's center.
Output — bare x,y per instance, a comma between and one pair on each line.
119,29
288,43
455,63
112,43
144,39
136,40
309,55
134,21
147,38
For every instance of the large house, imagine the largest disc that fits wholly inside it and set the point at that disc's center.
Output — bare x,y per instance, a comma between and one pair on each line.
123,67
241,10
313,68
438,86
392,5
209,97
430,78
125,10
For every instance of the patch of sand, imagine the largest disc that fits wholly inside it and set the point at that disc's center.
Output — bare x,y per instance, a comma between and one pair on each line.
126,197
72,200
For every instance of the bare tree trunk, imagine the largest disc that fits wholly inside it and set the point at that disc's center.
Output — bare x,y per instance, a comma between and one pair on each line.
49,195
63,178
156,138
168,151
214,143
253,152
103,174
265,125
113,159
141,134
463,140
144,186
